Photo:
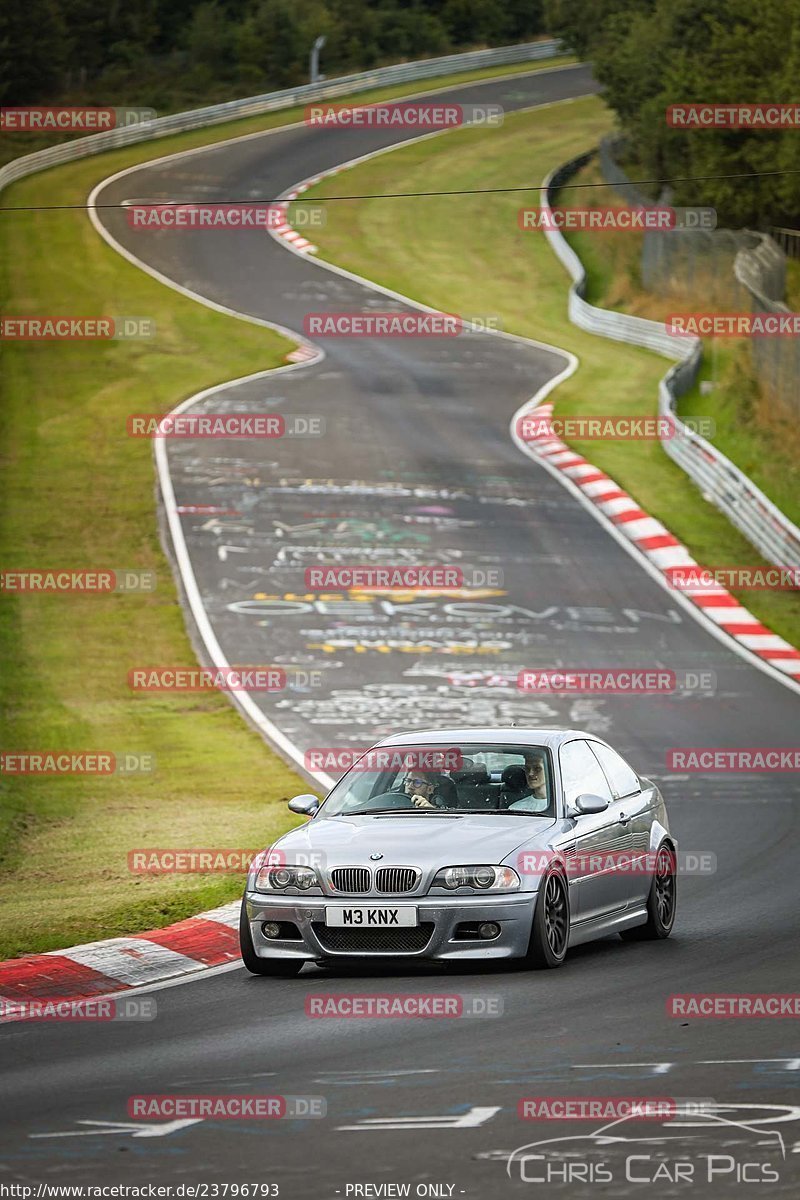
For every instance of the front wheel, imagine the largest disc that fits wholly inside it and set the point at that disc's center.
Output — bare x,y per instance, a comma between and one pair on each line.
550,930
661,901
280,968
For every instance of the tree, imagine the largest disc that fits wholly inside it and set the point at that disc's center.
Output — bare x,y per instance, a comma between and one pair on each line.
32,51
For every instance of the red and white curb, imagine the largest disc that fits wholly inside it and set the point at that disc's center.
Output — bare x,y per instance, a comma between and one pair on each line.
662,549
302,354
286,232
210,939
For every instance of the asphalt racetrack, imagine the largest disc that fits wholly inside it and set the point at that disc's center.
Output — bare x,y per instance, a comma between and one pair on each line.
417,466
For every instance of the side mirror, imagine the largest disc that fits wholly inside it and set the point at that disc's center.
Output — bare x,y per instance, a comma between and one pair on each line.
306,804
589,803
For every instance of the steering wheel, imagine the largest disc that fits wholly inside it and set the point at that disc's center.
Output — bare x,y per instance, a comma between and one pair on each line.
386,800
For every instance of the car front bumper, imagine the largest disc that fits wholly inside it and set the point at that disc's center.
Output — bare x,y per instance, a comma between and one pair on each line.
438,916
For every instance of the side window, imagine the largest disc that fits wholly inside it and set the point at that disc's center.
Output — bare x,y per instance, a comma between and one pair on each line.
623,779
580,773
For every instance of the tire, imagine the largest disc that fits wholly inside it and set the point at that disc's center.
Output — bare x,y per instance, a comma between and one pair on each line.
662,901
278,968
550,930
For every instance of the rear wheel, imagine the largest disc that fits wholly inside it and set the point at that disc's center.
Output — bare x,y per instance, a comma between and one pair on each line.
550,930
661,901
280,968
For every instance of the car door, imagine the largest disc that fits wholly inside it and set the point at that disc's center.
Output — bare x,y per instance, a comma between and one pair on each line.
634,812
598,888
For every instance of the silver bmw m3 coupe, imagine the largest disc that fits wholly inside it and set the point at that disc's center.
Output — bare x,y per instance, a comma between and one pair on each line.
465,844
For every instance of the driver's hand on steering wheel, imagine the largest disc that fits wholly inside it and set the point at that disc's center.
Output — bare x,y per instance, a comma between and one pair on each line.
421,802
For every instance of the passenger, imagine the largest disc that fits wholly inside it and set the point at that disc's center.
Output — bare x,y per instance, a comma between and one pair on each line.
525,787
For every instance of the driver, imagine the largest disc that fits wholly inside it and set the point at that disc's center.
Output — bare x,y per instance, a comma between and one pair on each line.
426,790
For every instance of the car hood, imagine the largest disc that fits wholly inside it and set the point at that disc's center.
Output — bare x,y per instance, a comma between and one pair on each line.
422,841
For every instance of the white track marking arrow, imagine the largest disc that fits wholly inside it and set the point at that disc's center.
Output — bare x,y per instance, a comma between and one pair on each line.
657,1068
361,1078
466,1120
134,1129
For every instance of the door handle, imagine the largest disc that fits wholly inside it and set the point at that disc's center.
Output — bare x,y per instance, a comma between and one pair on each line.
623,820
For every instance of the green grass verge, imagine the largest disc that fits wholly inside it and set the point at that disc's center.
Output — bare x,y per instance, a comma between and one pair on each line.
755,434
76,492
467,254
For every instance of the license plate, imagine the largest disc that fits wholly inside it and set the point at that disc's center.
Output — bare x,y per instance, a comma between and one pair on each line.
369,916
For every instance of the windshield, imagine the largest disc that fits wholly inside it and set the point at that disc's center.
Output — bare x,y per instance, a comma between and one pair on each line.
429,780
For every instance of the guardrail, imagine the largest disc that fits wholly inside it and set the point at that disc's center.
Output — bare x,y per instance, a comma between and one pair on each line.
328,89
721,481
730,268
787,239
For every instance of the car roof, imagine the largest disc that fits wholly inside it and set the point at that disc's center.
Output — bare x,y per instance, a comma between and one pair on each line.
514,734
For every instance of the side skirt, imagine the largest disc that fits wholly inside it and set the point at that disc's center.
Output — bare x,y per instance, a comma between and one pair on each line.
601,926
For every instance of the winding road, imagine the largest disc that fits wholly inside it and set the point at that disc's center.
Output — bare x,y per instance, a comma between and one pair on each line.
417,466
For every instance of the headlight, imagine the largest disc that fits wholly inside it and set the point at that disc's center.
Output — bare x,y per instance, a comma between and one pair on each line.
278,879
483,878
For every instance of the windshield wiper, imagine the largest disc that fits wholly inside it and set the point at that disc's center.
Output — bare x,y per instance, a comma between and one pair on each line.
401,812
368,812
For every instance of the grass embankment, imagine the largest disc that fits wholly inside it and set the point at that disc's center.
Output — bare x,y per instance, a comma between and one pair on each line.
754,433
467,254
77,493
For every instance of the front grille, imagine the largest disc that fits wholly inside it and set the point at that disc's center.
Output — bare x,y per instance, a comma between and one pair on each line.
394,880
350,879
374,941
